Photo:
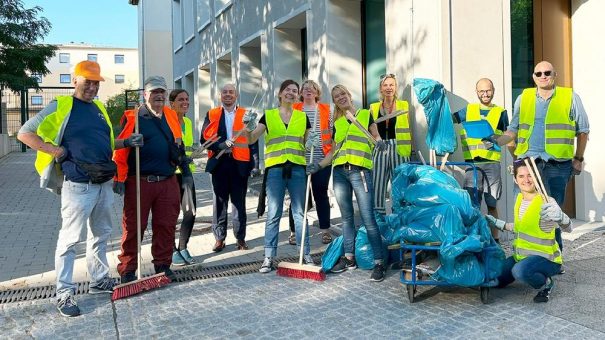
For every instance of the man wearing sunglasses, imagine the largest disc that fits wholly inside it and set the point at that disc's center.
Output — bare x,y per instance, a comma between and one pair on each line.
545,121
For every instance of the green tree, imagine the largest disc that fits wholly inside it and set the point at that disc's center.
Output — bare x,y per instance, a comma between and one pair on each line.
20,55
116,105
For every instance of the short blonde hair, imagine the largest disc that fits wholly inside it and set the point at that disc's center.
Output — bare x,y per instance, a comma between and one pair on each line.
312,84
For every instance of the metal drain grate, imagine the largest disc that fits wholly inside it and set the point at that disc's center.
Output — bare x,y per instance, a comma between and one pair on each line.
189,273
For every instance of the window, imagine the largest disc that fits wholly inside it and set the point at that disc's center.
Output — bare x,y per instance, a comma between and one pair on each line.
119,58
38,77
65,78
64,58
36,100
92,57
119,79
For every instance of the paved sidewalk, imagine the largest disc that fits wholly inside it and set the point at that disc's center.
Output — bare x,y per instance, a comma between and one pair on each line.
267,306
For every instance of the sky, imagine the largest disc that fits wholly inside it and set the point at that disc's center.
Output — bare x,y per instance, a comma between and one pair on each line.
111,23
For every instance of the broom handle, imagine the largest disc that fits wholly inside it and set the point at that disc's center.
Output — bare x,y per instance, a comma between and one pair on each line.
534,179
307,191
232,139
539,177
138,186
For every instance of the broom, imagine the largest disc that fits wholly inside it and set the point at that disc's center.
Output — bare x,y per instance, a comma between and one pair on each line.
300,270
151,282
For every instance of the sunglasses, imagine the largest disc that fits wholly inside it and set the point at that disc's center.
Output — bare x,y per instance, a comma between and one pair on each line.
388,75
546,73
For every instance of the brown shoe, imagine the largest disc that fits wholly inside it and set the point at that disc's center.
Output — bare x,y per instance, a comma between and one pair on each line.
242,245
218,246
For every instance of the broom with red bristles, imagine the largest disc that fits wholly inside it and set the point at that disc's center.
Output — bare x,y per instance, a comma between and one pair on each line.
300,270
141,284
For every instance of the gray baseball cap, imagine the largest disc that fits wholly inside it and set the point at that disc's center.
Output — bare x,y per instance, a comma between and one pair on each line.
154,83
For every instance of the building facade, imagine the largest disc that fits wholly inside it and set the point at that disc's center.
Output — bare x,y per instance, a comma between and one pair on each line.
119,67
256,44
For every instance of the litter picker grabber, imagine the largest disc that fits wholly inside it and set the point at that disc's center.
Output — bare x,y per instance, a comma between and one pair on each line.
141,284
353,120
389,116
300,270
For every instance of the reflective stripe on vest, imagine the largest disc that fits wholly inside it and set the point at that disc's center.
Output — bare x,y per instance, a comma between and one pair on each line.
187,130
529,238
403,133
281,144
354,147
52,127
474,147
240,150
324,124
560,130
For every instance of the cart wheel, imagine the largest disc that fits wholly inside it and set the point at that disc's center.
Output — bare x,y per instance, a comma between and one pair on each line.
411,290
484,294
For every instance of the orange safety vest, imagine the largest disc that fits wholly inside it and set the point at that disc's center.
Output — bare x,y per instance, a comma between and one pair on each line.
324,124
120,156
240,150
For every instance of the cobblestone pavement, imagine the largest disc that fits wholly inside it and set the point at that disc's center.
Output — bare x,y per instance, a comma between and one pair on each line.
267,306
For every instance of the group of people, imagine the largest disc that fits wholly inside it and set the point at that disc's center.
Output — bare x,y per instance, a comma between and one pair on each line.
78,156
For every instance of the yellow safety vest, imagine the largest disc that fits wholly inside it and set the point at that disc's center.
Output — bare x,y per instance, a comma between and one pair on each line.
474,147
51,131
187,141
403,133
560,129
281,144
529,238
352,145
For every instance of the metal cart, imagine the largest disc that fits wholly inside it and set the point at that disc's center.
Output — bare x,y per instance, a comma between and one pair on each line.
413,281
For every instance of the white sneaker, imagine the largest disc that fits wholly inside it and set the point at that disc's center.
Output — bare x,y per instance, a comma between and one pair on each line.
267,265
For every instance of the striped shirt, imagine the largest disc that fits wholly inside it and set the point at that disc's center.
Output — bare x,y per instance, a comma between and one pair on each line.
318,153
545,226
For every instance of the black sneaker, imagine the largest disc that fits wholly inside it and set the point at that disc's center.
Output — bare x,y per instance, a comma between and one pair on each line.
378,273
544,294
103,286
67,306
164,268
128,277
343,264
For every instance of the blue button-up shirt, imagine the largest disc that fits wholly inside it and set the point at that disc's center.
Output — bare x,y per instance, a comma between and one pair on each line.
536,147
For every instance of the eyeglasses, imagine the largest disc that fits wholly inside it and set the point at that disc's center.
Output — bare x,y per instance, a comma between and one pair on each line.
546,73
482,92
388,75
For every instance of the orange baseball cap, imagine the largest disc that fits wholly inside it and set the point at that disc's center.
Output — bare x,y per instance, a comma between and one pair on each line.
89,70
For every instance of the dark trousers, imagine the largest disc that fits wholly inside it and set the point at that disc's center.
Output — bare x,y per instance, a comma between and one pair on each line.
229,184
188,218
162,200
556,175
532,270
319,187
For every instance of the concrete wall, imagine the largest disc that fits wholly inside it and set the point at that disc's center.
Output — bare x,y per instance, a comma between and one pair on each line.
155,39
4,146
587,54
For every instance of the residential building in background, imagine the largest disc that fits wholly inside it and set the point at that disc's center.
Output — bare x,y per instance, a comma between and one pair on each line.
119,67
257,44
155,38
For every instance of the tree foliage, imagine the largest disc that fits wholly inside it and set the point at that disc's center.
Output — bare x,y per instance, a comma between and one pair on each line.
116,105
20,54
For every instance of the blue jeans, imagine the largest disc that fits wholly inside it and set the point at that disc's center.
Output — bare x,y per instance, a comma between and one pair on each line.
532,270
276,190
346,181
555,176
84,206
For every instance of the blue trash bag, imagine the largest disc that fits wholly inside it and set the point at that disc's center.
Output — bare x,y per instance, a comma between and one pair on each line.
333,252
494,258
433,194
441,135
459,262
364,254
406,175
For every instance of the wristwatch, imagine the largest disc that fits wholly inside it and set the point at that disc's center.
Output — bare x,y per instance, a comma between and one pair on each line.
578,158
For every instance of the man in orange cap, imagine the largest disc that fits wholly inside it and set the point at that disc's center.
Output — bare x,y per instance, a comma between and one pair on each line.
75,142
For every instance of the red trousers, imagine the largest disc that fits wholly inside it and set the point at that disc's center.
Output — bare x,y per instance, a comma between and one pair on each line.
163,201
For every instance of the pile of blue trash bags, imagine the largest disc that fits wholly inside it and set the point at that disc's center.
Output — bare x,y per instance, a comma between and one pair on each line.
430,206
